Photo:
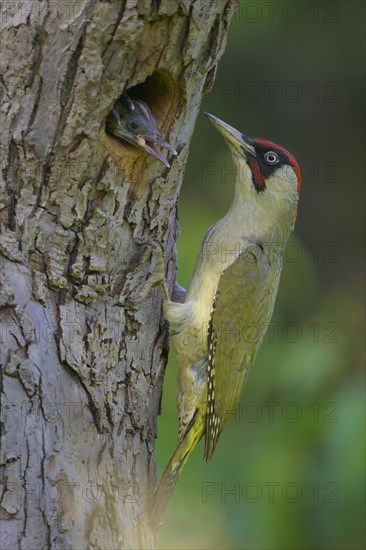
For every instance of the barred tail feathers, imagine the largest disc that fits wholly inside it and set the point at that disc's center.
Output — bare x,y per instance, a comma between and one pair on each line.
170,476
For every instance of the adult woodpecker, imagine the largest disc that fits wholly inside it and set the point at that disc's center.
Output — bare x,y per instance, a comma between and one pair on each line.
220,325
132,121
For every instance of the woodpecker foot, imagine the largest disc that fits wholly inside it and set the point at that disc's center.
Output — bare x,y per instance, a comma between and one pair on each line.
179,294
158,278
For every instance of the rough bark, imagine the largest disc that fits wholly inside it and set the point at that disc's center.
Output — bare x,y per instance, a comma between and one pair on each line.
82,359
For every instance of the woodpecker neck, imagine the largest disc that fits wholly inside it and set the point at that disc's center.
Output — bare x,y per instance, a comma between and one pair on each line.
265,215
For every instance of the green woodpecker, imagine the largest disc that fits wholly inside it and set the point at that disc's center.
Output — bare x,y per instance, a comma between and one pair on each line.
132,121
220,324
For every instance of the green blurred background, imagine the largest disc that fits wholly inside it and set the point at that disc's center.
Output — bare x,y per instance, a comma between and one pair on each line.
293,454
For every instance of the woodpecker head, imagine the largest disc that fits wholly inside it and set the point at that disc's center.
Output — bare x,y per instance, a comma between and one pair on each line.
132,121
266,171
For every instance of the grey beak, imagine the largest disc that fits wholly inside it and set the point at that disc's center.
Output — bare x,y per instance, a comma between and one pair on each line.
231,135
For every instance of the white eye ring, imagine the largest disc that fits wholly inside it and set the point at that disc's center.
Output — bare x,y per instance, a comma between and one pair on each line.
271,157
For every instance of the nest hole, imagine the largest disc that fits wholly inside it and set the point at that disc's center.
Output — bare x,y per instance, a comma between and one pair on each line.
160,92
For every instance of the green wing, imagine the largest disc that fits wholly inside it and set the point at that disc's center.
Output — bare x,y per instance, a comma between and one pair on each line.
241,312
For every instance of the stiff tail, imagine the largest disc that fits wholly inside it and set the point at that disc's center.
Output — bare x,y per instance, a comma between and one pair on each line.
174,467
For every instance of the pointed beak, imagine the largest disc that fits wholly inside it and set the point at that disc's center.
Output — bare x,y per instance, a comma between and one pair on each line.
237,141
165,145
153,148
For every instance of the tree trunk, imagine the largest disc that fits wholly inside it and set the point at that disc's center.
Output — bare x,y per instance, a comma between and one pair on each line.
82,358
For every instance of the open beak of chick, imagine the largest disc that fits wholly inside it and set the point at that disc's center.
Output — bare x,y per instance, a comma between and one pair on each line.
153,147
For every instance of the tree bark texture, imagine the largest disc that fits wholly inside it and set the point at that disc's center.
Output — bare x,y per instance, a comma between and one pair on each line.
82,358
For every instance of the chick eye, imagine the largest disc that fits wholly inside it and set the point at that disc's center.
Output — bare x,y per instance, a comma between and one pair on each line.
135,125
271,157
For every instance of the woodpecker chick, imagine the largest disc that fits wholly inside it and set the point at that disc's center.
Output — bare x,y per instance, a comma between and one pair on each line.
218,329
132,121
